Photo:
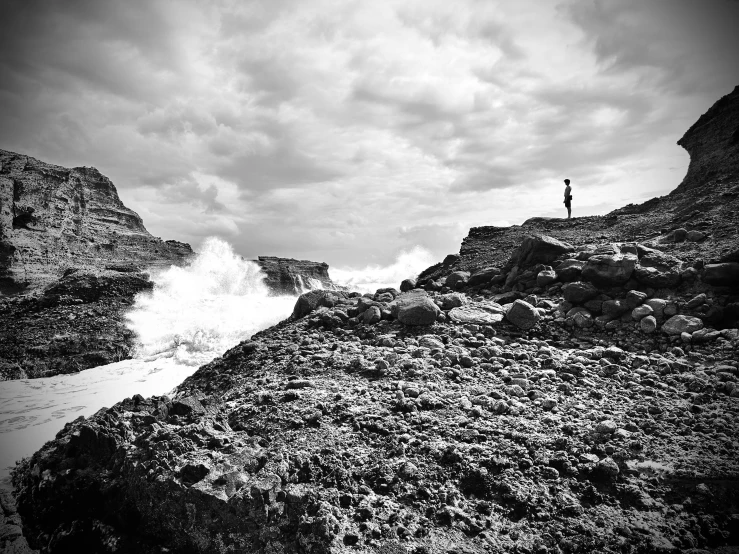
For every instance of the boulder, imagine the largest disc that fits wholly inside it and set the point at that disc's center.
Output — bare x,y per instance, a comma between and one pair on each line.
648,324
546,277
570,270
523,315
457,279
658,306
371,315
416,308
657,269
538,249
452,300
722,275
579,292
408,284
311,300
679,324
609,269
482,276
640,312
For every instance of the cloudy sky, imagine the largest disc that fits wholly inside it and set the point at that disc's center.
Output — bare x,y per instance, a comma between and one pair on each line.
347,131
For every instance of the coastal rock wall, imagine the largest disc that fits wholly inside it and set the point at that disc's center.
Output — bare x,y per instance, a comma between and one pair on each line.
289,276
53,218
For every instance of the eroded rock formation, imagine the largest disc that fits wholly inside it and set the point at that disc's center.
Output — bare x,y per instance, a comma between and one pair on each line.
53,218
289,276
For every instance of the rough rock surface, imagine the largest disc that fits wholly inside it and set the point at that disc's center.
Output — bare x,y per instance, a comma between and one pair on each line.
76,323
289,276
334,432
713,144
53,218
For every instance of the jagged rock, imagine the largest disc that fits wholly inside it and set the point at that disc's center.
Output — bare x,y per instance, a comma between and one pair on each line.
479,313
657,269
722,275
609,269
289,276
682,324
538,249
416,308
522,314
579,292
52,217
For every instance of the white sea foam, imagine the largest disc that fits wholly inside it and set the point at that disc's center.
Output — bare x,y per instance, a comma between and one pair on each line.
407,264
194,314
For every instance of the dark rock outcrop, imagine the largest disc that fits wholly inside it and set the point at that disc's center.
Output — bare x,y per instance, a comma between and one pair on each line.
53,218
713,144
289,276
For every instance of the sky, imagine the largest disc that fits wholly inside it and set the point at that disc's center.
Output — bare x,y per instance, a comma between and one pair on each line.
349,131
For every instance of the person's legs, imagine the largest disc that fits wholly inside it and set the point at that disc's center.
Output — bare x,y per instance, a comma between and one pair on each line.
569,211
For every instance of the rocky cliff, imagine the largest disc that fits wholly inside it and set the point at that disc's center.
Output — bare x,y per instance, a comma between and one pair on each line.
713,144
289,276
53,218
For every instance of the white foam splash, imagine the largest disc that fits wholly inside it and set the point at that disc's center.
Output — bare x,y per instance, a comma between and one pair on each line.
194,314
407,264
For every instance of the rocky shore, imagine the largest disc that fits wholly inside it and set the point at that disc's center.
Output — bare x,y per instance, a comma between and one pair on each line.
425,421
558,387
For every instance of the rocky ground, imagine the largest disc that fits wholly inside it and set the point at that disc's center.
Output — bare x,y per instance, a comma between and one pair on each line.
75,324
461,420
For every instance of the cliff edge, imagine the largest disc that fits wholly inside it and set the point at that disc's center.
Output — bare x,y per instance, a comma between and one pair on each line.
53,218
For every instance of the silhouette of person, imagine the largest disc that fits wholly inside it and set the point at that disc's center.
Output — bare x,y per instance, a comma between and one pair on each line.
568,198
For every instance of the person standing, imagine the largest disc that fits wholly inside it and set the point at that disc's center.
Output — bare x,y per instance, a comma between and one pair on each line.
568,198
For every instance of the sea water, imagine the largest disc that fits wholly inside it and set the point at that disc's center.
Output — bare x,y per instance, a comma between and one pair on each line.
194,314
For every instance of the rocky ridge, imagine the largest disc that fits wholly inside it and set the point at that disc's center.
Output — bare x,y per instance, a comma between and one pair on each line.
574,390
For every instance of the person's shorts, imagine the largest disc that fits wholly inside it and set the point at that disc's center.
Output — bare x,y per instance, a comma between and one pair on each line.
567,204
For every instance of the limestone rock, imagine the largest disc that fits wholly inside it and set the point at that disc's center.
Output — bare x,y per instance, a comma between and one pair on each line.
648,324
682,324
480,313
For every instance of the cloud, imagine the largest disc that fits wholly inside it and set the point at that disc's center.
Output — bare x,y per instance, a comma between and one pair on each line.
351,131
